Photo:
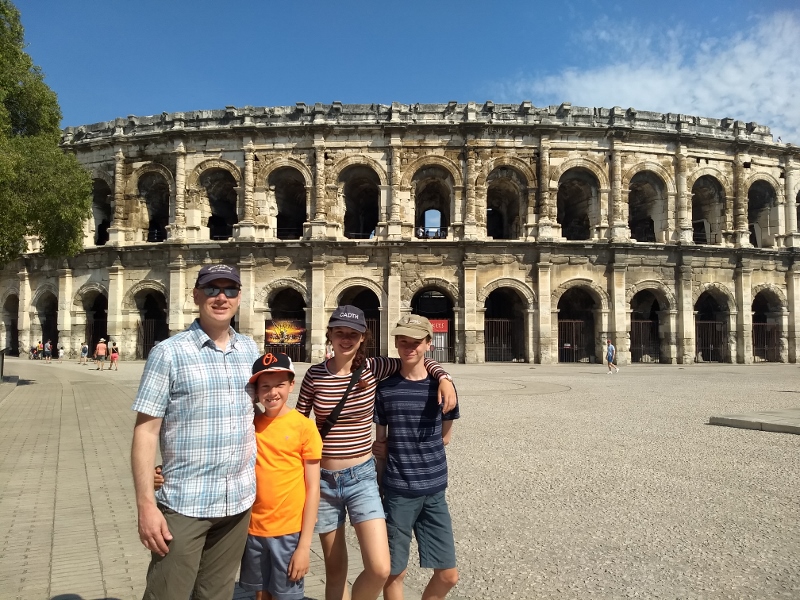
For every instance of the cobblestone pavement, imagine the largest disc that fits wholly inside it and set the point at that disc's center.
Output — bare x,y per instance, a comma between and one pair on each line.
565,483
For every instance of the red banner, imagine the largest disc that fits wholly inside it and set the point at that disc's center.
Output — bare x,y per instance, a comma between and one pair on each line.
440,325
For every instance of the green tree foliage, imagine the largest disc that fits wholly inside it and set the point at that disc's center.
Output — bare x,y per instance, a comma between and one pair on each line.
43,190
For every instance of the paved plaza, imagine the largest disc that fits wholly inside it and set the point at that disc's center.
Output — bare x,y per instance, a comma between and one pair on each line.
565,483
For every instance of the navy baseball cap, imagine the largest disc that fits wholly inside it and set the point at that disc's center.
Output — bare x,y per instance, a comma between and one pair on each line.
277,362
348,316
210,273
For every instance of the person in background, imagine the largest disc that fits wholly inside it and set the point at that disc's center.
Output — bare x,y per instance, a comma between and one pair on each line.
100,352
114,357
611,357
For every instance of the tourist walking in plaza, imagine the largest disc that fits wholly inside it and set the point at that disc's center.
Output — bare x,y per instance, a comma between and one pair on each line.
100,354
611,357
48,351
194,388
114,357
84,354
414,479
341,391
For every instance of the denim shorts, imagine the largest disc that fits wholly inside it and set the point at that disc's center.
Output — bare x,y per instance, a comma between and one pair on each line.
265,566
352,491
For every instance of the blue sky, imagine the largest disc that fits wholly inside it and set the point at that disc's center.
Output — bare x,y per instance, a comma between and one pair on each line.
109,58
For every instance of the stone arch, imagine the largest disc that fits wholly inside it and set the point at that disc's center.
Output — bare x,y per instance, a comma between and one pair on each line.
596,168
98,173
653,167
776,185
213,163
773,289
86,289
331,300
129,300
695,174
507,282
442,285
507,161
718,291
267,292
262,176
659,290
43,289
597,293
12,291
431,160
131,187
359,160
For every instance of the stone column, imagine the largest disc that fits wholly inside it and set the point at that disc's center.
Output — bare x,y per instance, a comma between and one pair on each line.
318,319
245,229
686,328
247,315
792,238
116,293
394,228
530,335
668,323
783,345
620,232
470,224
177,295
620,313
116,232
317,228
740,224
744,309
479,350
64,309
683,216
792,300
600,225
547,213
472,354
394,283
24,311
177,231
548,354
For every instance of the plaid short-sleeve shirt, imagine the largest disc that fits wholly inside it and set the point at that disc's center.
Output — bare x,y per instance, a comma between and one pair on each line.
207,440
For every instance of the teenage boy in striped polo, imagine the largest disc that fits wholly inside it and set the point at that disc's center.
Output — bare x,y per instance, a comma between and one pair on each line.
415,475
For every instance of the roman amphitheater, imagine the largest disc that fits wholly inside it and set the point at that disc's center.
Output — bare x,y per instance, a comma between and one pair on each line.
527,234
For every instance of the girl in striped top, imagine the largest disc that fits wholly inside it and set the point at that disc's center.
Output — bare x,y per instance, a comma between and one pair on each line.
348,482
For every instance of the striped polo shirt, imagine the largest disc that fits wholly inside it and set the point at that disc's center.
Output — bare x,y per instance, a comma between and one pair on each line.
416,464
321,390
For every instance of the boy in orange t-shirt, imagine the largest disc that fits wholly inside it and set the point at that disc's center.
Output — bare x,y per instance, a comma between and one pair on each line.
277,554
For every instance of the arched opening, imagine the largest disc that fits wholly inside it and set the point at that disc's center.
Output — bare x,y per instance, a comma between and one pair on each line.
366,300
576,326
286,330
504,326
645,339
646,206
711,329
289,188
220,186
577,194
767,322
760,200
152,325
438,308
708,209
101,211
505,191
155,191
96,308
432,193
47,316
11,325
361,189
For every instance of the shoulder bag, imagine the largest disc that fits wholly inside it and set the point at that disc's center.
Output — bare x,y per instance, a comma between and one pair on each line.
331,419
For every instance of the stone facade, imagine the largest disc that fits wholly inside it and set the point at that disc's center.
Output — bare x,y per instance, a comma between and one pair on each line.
532,234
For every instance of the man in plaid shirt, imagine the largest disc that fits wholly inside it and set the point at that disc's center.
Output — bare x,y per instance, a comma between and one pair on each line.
193,402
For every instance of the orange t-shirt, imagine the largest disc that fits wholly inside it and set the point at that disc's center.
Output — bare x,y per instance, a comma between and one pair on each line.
283,444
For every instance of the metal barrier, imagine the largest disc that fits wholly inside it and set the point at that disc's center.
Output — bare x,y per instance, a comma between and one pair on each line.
766,342
645,343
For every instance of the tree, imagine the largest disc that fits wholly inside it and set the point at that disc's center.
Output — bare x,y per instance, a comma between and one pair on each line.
43,191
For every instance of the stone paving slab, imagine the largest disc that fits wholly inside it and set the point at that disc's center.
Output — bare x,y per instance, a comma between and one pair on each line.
776,421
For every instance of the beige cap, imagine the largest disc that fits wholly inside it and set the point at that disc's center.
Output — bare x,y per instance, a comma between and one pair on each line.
413,326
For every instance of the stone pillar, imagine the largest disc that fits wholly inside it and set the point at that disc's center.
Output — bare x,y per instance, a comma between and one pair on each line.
792,300
619,310
470,224
472,354
744,308
319,318
65,309
530,335
601,216
683,211
247,315
317,228
741,236
177,230
177,295
479,350
792,238
24,311
116,293
620,232
668,323
686,328
394,283
547,216
245,229
782,318
116,232
548,347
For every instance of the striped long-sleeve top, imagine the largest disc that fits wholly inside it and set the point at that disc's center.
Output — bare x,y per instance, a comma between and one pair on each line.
321,390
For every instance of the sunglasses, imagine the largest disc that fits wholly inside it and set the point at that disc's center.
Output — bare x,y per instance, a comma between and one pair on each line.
213,292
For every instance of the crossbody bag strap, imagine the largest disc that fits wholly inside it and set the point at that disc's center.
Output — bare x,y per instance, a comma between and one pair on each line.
331,419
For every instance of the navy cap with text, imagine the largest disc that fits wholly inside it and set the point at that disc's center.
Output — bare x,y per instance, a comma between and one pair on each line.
211,273
348,316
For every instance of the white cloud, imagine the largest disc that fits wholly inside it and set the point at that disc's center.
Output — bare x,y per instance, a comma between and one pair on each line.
752,76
